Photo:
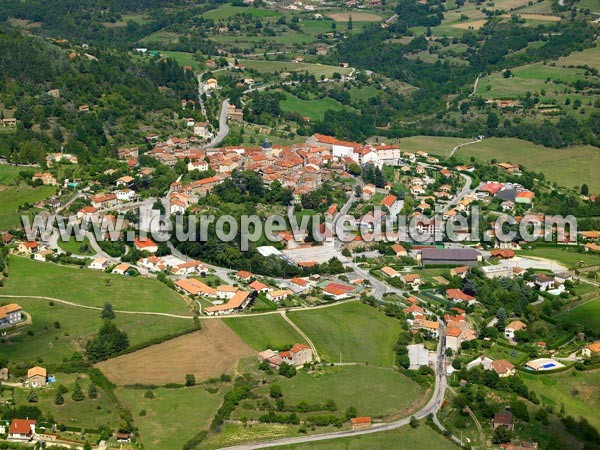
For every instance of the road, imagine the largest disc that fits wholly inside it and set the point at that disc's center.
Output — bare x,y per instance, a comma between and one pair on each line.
301,333
432,406
466,190
459,146
223,127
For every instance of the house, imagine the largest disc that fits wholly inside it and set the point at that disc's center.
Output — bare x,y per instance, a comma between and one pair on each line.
42,255
591,247
337,291
226,292
524,197
125,195
4,374
87,214
201,129
298,355
121,269
388,271
544,282
360,423
188,268
277,296
192,286
299,283
412,279
457,296
21,430
392,204
430,326
514,326
7,238
503,368
145,244
259,286
243,275
503,419
124,181
238,302
36,377
461,271
10,314
106,201
99,264
502,253
46,178
28,247
482,361
399,250
591,349
449,256
453,340
414,310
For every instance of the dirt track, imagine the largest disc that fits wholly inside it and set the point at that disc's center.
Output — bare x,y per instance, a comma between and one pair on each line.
206,353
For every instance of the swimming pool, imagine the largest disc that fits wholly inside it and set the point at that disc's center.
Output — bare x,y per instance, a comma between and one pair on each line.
548,365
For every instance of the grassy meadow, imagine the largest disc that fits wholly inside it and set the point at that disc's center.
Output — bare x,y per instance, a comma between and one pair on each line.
11,197
267,331
587,315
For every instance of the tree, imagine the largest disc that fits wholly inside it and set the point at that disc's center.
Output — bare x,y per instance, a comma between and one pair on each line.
501,435
190,380
585,190
32,396
350,22
92,391
59,399
501,315
275,391
287,370
414,423
107,312
492,121
77,394
108,342
351,413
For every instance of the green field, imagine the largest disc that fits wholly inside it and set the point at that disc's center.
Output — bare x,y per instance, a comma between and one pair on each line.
587,315
354,331
267,331
90,287
578,391
88,413
289,66
161,37
564,255
8,173
568,166
228,10
50,344
74,246
173,416
314,109
373,391
182,58
14,196
405,438
589,56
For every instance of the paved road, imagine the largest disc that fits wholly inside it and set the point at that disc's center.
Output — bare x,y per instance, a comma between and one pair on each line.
223,127
466,190
432,406
459,146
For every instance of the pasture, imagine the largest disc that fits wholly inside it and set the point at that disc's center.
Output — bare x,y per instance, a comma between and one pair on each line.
587,315
578,391
207,353
314,109
11,197
373,391
227,10
356,16
90,287
266,331
317,70
173,416
50,344
8,173
351,331
570,257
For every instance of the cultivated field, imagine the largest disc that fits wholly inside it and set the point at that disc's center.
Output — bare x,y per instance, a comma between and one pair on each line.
353,331
474,25
568,257
356,16
173,416
578,391
404,438
207,353
373,391
50,344
288,66
90,287
267,331
589,56
228,10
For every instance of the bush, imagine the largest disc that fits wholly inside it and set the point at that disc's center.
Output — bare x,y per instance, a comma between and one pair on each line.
190,380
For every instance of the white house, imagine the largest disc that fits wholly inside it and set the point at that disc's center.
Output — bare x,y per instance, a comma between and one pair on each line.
225,292
99,264
125,195
512,328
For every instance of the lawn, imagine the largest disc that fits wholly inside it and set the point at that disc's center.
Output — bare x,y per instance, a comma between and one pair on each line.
314,109
510,354
14,196
228,10
373,391
267,331
88,413
77,247
566,256
8,173
90,287
578,391
173,416
352,331
288,66
405,438
587,315
50,344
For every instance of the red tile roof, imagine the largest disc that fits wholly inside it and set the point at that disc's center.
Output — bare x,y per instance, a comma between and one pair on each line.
21,426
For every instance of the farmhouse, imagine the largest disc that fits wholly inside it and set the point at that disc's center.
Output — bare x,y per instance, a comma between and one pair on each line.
21,430
237,303
36,377
503,419
298,355
10,315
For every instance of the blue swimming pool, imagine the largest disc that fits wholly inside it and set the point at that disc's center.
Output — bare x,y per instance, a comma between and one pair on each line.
548,366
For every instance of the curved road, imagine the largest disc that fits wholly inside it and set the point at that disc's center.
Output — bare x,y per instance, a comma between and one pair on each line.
223,127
